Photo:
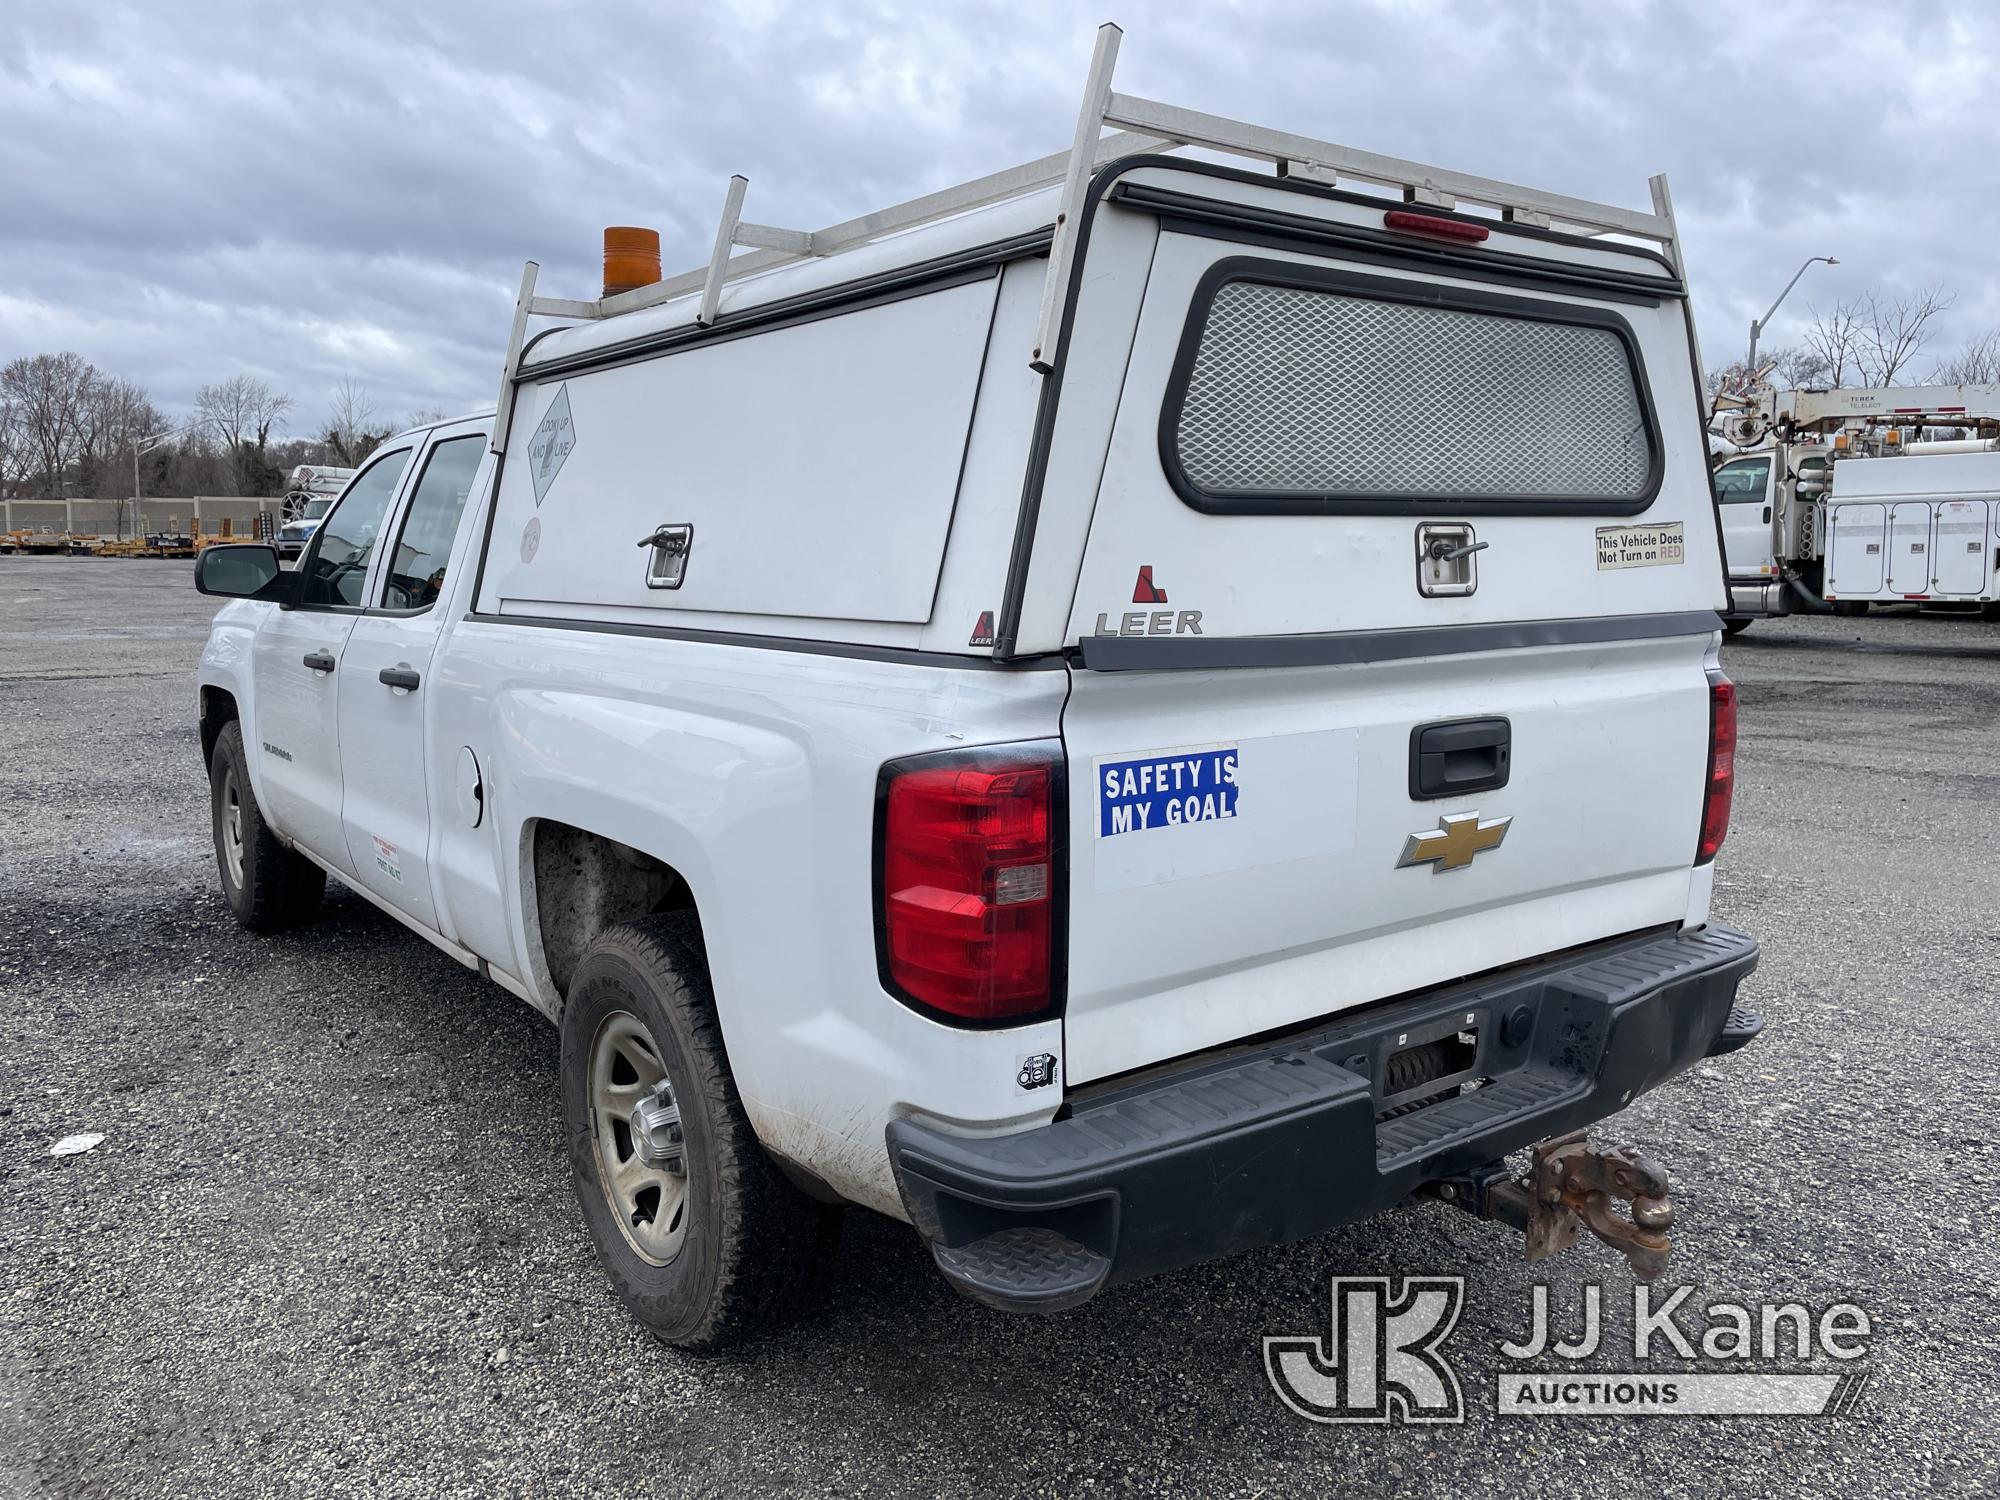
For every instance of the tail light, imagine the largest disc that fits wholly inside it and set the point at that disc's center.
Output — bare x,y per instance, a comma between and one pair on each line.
1721,765
969,884
1437,224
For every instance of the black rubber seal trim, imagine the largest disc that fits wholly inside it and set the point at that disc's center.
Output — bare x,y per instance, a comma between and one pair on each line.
905,655
1213,653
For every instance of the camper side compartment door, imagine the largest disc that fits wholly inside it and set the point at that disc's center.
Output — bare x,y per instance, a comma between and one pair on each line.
1958,546
1910,548
1855,547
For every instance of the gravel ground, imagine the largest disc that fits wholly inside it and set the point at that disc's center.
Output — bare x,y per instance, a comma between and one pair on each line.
328,1247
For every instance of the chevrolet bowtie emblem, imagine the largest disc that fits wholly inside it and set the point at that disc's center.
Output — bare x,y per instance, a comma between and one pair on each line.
1457,838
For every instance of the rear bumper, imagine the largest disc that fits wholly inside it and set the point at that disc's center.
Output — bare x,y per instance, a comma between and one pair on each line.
1290,1139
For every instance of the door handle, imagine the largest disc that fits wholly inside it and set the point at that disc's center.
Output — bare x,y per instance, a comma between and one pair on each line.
319,661
1767,515
1459,756
398,677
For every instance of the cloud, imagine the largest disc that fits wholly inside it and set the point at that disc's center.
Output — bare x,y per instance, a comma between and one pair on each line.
315,192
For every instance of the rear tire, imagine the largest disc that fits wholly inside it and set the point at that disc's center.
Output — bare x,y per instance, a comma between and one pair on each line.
268,886
1850,607
1735,626
726,1247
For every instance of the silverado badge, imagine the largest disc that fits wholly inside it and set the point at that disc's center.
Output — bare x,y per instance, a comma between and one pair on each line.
1452,844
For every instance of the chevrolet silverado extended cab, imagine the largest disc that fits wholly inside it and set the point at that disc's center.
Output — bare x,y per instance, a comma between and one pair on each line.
1124,712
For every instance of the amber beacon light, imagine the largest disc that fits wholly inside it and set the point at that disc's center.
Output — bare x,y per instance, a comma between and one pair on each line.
631,258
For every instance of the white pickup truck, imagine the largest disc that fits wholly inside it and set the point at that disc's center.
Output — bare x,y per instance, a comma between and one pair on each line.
1152,710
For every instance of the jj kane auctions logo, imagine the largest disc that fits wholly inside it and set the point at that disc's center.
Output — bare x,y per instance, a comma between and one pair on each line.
1383,1358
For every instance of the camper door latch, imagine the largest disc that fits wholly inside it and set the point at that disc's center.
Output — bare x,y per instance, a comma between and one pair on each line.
1447,560
667,565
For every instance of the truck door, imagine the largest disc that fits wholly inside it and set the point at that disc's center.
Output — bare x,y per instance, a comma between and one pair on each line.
385,807
1743,490
1958,545
1855,550
298,651
1910,549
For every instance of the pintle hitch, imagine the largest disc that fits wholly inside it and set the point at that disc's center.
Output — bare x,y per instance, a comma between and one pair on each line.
1569,1187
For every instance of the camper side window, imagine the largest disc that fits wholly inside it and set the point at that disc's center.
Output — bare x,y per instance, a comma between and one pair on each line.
1743,482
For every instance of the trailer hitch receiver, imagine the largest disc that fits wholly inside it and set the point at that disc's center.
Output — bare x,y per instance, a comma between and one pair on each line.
1571,1187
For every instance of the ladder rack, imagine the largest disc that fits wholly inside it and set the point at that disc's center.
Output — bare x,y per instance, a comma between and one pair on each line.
1139,126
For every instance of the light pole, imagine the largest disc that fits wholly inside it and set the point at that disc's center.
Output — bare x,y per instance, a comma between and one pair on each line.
1757,325
139,446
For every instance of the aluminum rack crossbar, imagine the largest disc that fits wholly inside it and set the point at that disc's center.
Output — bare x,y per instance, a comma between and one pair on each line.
1139,126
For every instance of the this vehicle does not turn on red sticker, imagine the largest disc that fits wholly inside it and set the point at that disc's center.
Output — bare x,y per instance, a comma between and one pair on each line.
1640,546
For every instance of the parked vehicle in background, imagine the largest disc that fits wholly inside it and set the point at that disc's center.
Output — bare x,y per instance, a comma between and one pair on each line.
1773,497
1924,528
952,714
310,491
295,533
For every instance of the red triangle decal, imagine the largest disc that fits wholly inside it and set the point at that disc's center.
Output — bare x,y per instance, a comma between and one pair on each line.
982,632
1145,591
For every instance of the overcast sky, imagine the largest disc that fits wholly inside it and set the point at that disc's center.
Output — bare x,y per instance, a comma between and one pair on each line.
190,188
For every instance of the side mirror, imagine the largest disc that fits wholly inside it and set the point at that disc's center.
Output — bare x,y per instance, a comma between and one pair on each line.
244,570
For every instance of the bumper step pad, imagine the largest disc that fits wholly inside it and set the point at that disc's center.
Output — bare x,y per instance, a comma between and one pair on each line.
1742,1028
1037,1269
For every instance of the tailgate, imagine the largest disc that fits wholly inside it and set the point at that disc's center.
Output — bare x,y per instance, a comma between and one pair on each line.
1262,831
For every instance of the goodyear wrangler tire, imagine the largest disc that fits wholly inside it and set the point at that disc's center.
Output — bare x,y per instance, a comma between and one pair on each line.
701,1236
268,886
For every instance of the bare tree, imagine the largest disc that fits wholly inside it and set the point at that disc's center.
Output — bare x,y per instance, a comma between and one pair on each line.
349,426
1976,363
48,393
1894,332
1836,339
1798,368
241,411
10,442
352,429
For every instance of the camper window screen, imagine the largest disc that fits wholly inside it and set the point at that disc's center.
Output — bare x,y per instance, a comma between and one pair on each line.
1298,398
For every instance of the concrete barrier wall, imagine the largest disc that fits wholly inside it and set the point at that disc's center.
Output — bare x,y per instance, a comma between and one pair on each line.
102,517
36,515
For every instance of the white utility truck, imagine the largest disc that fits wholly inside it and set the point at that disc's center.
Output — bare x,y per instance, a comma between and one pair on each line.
1001,713
1922,528
1774,497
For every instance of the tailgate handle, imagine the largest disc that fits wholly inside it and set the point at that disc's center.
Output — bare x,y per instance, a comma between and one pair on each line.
1459,756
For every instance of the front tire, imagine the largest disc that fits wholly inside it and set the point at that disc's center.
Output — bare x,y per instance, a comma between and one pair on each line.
703,1239
268,886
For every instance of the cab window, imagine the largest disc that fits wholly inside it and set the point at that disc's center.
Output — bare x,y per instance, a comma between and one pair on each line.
416,567
1743,481
336,564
